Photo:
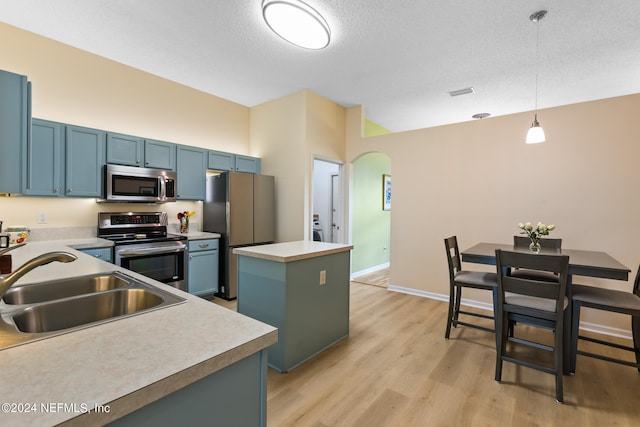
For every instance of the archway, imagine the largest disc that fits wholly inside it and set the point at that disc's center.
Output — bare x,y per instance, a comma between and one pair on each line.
370,217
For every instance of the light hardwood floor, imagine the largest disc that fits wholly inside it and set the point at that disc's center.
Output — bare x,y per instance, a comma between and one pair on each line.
396,369
375,278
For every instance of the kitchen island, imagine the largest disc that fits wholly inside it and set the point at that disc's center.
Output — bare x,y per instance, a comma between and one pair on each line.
187,364
302,288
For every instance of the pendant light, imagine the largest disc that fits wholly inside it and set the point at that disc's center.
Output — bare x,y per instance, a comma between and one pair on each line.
297,23
536,133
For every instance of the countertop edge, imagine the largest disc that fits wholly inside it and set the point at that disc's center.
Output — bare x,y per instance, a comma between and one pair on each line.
156,391
263,251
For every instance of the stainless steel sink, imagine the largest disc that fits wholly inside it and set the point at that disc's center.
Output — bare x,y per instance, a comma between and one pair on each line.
71,312
56,289
42,310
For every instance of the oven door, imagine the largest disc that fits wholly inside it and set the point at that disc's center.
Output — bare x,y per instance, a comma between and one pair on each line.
165,262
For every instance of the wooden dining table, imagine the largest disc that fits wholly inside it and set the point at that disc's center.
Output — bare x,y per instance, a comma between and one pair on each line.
581,263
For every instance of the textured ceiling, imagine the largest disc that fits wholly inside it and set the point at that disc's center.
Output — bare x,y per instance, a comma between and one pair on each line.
397,58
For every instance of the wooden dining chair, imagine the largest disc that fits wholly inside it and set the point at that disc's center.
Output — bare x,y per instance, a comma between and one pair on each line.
458,279
538,303
606,300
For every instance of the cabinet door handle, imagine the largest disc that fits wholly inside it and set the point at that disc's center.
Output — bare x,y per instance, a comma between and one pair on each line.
204,245
98,255
55,190
68,190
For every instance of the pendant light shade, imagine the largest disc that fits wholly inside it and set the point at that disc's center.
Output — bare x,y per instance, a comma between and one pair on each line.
536,133
297,23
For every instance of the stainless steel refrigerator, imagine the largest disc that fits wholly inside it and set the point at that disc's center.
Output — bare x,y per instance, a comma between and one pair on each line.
241,207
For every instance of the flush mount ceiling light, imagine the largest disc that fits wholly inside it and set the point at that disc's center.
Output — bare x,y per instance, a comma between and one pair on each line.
297,23
536,133
459,92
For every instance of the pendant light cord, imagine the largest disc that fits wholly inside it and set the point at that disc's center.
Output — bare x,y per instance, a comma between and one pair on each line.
537,61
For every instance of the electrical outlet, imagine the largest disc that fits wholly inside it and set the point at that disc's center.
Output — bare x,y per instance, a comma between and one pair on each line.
323,277
43,218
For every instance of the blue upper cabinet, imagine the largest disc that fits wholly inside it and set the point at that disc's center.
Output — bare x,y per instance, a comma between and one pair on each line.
133,151
191,168
42,173
124,149
159,154
15,119
84,158
247,164
221,161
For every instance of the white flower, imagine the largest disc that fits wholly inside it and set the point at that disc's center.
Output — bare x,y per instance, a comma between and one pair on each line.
534,233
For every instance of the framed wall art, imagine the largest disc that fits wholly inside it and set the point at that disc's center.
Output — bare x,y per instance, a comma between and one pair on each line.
386,192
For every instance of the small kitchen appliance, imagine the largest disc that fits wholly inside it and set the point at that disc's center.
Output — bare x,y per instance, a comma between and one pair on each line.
133,184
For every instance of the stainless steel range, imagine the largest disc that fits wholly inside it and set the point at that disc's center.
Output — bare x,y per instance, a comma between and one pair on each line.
143,245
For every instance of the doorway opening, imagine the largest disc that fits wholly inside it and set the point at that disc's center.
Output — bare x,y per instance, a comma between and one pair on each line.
370,211
327,203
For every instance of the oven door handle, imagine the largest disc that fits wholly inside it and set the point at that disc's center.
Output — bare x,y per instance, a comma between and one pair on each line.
151,251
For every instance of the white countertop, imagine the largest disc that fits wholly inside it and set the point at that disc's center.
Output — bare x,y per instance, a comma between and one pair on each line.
126,363
199,235
292,251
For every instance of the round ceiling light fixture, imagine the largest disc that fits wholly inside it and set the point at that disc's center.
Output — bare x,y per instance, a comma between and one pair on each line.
297,23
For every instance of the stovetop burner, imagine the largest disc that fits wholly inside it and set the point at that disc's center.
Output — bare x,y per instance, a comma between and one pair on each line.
125,228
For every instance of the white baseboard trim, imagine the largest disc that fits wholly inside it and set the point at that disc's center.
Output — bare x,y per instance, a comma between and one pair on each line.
369,270
586,326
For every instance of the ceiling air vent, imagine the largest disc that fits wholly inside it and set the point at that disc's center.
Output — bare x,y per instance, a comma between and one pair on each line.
459,92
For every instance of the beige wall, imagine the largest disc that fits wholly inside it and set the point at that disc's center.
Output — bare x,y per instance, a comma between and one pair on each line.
287,133
479,179
73,86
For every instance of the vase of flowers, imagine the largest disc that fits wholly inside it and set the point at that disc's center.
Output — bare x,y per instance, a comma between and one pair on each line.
535,233
183,217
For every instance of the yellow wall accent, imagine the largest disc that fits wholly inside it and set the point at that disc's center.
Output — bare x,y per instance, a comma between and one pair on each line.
374,129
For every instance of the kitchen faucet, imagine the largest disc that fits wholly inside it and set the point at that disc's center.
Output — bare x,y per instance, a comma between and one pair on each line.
9,279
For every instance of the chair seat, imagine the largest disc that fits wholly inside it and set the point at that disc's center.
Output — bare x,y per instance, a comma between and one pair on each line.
538,303
524,273
607,299
476,279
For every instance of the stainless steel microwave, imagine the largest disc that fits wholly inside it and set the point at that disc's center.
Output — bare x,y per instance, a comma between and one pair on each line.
132,184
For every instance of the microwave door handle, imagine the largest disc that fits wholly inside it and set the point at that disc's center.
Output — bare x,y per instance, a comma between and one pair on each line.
163,188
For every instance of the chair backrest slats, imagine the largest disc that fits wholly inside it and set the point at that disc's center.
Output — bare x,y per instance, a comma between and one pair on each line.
558,264
453,255
534,288
545,243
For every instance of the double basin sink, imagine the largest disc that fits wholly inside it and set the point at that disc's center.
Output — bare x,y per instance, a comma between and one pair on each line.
41,310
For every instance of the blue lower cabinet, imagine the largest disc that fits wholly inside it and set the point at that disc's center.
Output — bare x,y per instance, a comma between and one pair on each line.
203,267
233,396
104,254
